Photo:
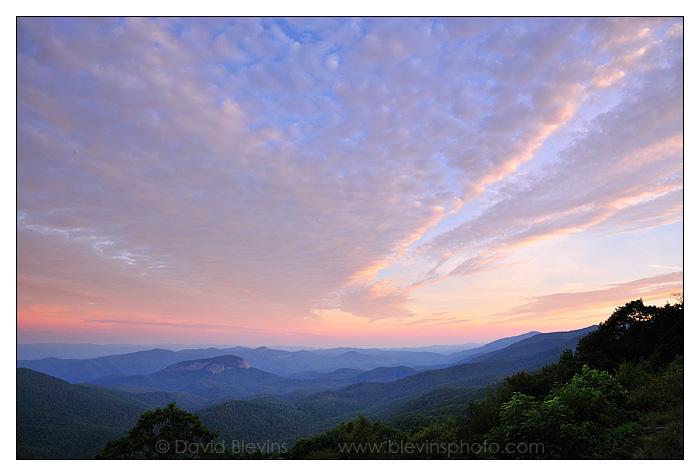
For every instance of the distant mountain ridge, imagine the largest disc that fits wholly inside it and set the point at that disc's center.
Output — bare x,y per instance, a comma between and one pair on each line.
491,346
280,362
538,342
141,362
78,351
440,348
232,377
229,376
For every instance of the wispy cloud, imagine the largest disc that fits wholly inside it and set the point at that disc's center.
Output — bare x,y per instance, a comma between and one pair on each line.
556,305
149,323
434,321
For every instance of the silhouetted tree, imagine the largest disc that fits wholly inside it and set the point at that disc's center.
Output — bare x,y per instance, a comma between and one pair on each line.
634,332
166,433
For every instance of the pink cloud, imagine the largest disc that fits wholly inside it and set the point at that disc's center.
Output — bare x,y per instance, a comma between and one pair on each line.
560,304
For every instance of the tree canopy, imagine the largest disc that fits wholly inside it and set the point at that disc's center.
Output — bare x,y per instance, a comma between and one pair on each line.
164,433
635,331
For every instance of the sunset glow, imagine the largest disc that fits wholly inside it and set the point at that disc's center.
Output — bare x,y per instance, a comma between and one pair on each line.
327,182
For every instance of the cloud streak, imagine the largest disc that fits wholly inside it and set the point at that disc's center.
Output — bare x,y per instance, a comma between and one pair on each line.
554,305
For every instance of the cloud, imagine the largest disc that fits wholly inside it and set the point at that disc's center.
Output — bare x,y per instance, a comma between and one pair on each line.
560,304
198,325
258,171
621,171
433,321
374,301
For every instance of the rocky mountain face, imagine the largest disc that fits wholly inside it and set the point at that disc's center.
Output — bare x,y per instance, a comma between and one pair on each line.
215,365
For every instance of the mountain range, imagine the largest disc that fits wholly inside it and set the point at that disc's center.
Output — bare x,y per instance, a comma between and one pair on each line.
230,389
280,362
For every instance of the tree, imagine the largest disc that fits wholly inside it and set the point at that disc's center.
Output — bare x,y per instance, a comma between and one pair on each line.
634,332
587,417
166,433
354,439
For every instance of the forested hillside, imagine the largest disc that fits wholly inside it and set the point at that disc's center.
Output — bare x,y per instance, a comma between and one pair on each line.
57,420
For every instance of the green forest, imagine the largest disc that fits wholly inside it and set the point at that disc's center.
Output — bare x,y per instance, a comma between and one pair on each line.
619,395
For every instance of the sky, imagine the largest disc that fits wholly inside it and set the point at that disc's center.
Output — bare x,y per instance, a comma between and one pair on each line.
344,181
